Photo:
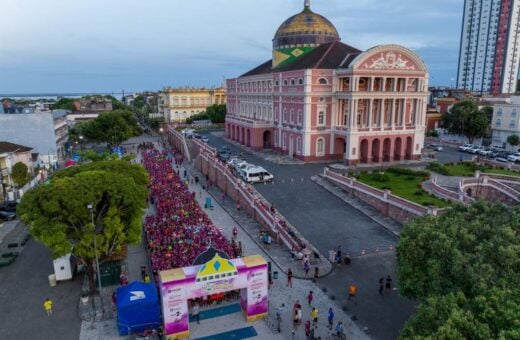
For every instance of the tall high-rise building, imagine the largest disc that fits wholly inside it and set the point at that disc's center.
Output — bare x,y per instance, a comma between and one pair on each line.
489,46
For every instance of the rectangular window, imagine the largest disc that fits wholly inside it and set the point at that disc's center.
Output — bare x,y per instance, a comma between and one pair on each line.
321,118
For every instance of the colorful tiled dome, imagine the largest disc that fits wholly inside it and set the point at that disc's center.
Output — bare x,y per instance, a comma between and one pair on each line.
302,32
305,27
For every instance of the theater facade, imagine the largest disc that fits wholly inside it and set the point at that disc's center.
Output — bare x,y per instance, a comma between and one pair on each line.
321,99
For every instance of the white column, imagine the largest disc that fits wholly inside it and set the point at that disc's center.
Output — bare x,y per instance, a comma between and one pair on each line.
370,108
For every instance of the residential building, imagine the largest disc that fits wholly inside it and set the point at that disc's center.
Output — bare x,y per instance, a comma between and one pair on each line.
45,132
321,99
177,104
489,46
93,104
10,154
506,122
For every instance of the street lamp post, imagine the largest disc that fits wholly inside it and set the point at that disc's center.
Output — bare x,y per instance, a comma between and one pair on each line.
81,140
91,210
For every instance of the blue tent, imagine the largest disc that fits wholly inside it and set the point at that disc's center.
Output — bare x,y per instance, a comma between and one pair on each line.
137,308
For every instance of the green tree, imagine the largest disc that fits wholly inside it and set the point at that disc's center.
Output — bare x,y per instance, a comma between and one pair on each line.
464,268
58,216
466,119
111,127
20,174
217,113
513,140
65,103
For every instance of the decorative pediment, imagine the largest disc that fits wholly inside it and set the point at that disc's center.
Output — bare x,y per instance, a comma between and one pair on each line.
389,57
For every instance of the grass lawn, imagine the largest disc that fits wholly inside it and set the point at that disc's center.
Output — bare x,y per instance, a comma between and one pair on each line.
502,172
402,185
467,169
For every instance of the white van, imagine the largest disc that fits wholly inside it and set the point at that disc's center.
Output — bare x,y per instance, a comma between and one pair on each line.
256,174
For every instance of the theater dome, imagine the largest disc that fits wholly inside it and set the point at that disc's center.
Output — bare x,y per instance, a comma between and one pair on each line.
301,33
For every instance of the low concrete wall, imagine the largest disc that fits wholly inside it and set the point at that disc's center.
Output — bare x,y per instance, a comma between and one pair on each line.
389,205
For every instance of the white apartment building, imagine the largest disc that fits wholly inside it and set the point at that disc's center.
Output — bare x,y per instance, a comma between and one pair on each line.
489,46
506,121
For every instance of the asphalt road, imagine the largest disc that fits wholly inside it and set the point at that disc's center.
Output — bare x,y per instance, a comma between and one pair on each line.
23,289
327,222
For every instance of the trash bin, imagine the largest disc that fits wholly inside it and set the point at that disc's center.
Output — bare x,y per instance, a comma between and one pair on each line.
332,256
52,280
275,275
110,272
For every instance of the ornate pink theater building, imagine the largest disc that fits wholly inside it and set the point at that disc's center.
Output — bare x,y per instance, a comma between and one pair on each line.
320,99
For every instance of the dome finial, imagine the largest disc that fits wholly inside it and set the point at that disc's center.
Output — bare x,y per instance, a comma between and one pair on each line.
307,4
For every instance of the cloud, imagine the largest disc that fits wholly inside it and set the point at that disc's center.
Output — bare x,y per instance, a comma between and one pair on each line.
80,45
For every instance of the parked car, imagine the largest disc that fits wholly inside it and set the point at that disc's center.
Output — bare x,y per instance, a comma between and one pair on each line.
7,215
500,159
196,135
485,152
436,147
475,150
205,139
256,174
465,147
8,206
224,155
514,157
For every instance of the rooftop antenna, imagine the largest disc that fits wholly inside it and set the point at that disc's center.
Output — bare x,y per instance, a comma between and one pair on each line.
307,4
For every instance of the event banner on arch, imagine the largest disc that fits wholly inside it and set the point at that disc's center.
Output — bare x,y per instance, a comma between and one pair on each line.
219,275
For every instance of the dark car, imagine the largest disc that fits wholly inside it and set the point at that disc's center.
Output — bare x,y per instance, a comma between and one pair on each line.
8,206
7,215
224,155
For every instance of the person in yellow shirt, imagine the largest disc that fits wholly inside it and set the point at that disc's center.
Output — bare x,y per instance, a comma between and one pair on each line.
47,305
314,316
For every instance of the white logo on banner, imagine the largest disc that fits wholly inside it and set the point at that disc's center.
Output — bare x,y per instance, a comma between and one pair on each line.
137,295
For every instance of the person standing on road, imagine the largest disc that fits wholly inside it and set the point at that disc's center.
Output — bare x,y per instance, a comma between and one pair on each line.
381,285
339,330
316,274
352,290
289,278
195,312
310,297
47,305
330,318
306,267
314,316
388,285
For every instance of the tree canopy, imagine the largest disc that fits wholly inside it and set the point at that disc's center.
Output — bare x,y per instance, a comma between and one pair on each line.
513,140
466,119
216,113
109,127
20,174
464,267
65,103
57,213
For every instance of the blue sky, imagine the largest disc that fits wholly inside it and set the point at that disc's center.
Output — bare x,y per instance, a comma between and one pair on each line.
109,45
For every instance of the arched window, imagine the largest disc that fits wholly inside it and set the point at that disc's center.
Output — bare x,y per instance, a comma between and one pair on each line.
285,82
300,117
323,81
321,118
277,83
300,81
284,115
293,82
299,145
291,116
320,147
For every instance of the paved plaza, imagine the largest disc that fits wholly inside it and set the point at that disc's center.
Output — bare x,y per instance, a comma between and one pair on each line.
329,221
